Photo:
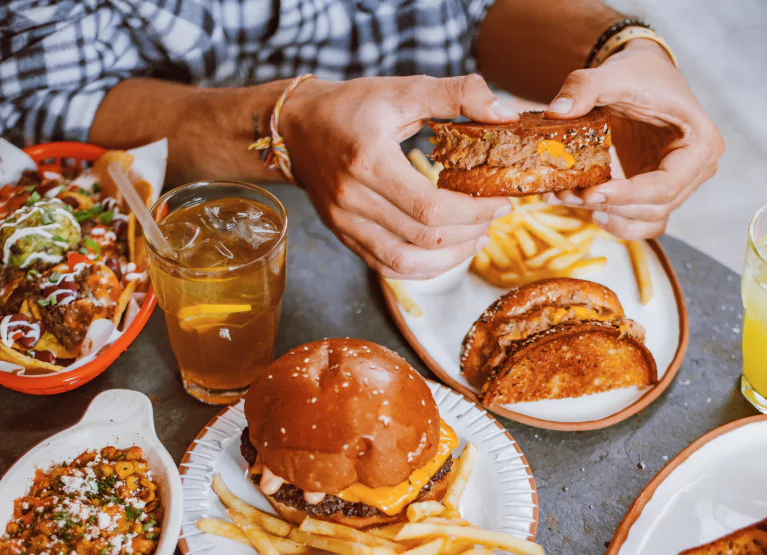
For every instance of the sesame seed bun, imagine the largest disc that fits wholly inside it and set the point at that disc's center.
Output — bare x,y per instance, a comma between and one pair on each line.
339,411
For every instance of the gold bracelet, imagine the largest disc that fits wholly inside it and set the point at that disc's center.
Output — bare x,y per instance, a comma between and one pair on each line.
619,40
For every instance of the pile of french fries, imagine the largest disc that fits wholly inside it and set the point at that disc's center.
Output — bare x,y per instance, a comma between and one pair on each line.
432,528
538,241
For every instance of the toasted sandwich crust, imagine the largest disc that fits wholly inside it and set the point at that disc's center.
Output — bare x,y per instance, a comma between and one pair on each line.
751,540
481,339
495,181
570,361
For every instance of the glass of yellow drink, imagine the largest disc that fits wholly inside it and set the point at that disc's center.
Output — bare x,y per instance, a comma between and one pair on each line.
754,293
222,294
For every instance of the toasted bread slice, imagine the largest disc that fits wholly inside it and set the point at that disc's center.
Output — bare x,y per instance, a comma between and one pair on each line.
533,155
570,361
751,540
521,308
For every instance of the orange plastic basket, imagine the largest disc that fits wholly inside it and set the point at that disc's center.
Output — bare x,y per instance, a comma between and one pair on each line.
52,157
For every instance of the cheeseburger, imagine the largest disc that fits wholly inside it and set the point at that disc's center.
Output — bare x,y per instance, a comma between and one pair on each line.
347,431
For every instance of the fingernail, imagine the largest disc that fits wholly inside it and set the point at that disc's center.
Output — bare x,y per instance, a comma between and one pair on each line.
600,217
596,198
502,110
573,199
502,211
551,198
481,243
561,105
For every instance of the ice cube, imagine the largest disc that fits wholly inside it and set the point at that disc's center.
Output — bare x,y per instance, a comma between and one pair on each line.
180,235
255,232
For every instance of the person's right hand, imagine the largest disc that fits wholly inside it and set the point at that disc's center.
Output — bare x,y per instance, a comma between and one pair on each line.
344,140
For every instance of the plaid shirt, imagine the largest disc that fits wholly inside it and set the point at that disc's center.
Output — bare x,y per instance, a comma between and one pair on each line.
58,59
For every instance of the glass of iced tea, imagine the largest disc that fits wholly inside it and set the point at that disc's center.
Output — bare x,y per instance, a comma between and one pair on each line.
754,293
222,295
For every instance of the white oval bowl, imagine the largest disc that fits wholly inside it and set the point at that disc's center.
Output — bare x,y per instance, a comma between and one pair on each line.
117,417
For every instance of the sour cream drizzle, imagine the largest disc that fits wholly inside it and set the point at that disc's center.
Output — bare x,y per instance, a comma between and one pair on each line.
7,329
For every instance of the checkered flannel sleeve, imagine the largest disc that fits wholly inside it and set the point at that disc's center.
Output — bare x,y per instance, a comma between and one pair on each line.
59,58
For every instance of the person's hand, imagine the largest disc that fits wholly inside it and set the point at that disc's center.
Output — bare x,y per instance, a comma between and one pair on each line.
666,143
344,140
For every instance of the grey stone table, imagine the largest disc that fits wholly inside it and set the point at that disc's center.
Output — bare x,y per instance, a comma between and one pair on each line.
585,480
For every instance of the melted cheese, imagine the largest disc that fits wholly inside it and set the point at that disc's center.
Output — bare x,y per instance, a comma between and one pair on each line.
557,150
582,313
392,500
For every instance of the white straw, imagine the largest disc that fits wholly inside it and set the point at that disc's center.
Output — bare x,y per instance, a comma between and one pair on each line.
140,210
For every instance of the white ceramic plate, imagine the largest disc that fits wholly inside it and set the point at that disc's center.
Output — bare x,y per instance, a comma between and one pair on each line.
117,417
712,488
500,495
438,334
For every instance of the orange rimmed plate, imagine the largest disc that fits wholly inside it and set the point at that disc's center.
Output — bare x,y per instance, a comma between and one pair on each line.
52,157
437,336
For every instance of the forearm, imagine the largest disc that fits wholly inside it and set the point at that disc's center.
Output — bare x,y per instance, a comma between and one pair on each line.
208,130
528,47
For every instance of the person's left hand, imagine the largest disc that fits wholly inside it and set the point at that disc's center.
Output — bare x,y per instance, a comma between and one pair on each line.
666,143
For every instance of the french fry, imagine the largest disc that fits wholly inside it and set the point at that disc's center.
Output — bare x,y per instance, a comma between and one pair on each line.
587,267
478,551
481,261
497,255
231,531
322,528
387,531
641,270
419,511
559,223
457,521
270,523
257,537
422,164
526,242
430,548
564,261
586,233
546,234
404,298
454,547
509,246
507,542
539,261
460,477
334,545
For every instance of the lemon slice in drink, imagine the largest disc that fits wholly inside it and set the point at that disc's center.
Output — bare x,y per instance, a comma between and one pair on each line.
192,317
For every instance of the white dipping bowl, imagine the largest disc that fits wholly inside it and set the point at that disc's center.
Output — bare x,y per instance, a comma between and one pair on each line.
116,417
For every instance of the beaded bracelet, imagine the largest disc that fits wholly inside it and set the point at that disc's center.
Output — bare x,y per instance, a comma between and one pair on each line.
274,152
616,36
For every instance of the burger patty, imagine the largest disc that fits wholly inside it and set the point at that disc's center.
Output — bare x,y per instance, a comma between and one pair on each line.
293,496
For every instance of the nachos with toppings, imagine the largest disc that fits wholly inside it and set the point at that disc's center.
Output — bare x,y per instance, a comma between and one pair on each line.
72,254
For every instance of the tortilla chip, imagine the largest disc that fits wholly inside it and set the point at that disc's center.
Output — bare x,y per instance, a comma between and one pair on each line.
31,310
122,303
49,342
26,362
100,170
8,289
83,201
144,190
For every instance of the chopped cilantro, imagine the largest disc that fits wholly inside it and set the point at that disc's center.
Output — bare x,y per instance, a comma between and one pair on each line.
29,189
106,484
85,192
92,212
92,245
103,551
149,524
58,238
97,187
33,198
106,217
152,536
132,513
83,250
32,274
